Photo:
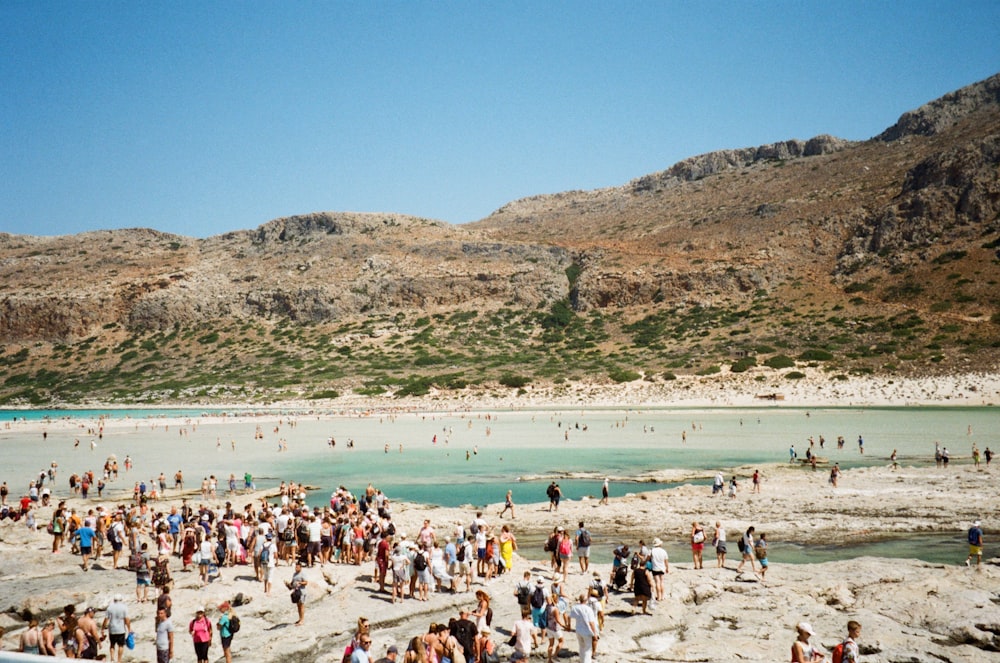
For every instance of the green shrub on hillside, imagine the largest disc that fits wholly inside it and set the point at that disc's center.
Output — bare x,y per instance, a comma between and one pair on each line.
815,354
743,365
513,381
779,361
623,375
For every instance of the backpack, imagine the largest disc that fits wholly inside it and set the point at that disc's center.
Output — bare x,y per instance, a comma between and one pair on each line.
742,545
265,554
234,624
550,491
474,527
523,593
538,598
420,562
460,555
760,552
974,536
565,547
837,655
550,544
135,561
584,539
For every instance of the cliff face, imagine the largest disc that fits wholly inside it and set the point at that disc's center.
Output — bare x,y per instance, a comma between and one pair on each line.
312,268
907,222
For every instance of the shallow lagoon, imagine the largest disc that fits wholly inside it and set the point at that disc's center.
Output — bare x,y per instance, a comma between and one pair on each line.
455,459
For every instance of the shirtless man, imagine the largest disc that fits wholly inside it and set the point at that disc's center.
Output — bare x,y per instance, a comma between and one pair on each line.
88,635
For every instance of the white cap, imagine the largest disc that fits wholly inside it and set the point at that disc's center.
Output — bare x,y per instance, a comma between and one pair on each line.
805,628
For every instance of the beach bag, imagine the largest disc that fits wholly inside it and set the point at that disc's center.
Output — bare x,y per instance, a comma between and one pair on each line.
130,640
699,536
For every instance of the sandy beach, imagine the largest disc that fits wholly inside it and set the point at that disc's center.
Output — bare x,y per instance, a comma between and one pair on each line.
911,610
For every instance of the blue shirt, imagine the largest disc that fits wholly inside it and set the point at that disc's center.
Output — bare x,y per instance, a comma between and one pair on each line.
86,535
175,522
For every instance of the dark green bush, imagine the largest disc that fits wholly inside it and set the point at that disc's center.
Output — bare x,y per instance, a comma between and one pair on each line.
815,354
514,381
743,365
780,361
623,375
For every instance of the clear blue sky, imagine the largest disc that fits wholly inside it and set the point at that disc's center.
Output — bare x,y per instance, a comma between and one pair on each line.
200,118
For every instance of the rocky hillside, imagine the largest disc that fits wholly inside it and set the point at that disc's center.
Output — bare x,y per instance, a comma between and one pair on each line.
876,256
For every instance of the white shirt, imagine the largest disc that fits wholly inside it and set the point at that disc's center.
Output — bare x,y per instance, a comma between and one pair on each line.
315,528
659,559
583,617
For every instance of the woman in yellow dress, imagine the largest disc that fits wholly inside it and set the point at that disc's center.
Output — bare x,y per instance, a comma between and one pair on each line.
508,544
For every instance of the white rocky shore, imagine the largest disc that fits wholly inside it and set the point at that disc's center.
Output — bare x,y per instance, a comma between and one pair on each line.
910,610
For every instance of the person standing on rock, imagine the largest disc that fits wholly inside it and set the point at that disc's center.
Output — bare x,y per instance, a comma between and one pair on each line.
164,637
200,629
719,543
760,552
298,584
746,549
802,651
117,624
975,544
659,566
585,624
849,647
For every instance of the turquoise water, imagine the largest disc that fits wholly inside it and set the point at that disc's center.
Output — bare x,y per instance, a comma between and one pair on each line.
518,450
475,460
946,548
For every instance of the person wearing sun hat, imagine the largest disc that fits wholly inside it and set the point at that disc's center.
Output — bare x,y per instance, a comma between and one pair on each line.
975,543
659,566
200,629
802,651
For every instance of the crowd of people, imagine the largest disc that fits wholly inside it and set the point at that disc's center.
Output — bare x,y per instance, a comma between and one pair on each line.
357,530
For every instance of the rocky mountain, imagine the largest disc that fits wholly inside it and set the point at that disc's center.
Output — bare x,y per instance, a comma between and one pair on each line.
881,255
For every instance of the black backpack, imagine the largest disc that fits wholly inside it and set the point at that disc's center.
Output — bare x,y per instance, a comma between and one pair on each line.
584,539
460,555
420,562
538,598
523,593
234,624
